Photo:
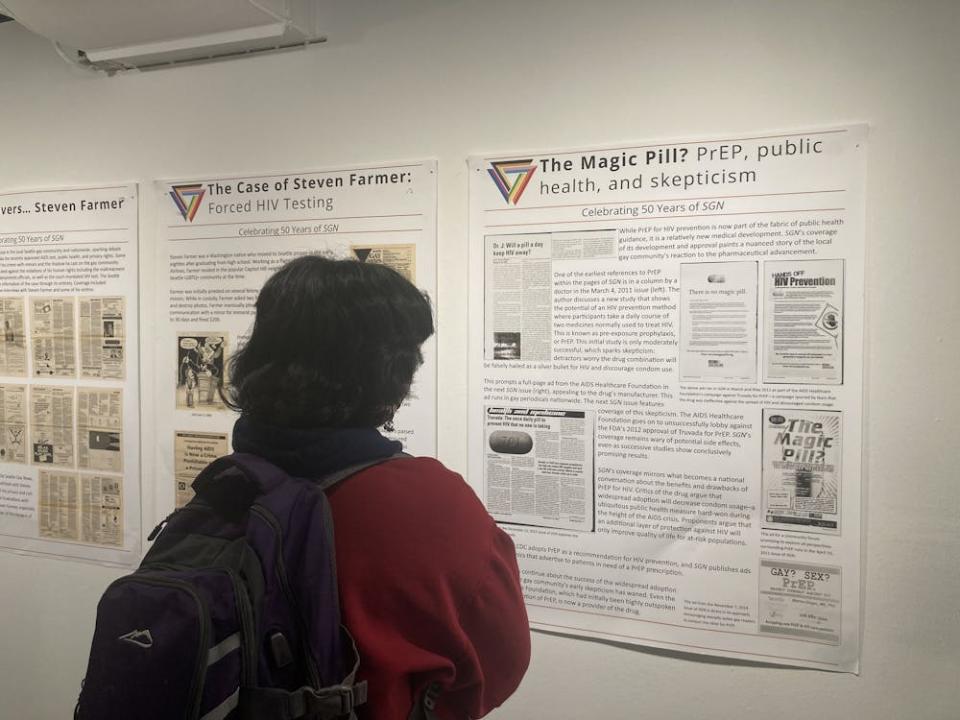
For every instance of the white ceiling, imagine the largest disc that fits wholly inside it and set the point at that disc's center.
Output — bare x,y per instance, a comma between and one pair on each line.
101,24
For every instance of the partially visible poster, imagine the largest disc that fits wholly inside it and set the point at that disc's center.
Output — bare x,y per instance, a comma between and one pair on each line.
69,373
666,388
220,238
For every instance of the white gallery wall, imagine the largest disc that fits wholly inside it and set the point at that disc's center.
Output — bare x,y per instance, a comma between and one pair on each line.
443,79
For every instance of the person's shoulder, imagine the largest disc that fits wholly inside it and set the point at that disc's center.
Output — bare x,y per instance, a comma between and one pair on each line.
415,497
426,482
408,473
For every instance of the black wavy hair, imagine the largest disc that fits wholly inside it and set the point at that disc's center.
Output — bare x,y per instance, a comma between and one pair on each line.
335,344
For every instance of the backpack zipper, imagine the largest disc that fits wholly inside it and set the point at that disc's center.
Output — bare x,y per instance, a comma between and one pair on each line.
305,651
195,506
244,611
246,622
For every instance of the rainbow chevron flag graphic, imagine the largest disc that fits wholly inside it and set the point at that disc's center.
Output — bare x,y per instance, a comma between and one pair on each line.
187,199
511,177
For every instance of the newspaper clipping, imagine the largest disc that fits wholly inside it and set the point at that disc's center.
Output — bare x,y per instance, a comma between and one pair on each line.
718,321
801,601
193,451
13,423
201,364
51,425
13,348
102,337
101,509
402,258
539,467
520,318
801,469
803,321
59,505
100,429
54,338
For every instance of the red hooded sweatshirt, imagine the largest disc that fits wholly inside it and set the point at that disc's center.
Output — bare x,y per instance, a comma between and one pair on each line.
429,589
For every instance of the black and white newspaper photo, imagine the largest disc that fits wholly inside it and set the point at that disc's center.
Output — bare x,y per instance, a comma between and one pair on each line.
539,467
100,429
13,423
801,469
53,336
51,425
102,337
803,321
201,364
718,321
13,345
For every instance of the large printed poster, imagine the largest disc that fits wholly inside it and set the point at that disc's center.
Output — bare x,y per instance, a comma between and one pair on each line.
219,239
69,373
666,388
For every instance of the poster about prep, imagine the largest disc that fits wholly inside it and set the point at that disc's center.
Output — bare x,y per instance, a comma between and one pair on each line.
666,388
219,239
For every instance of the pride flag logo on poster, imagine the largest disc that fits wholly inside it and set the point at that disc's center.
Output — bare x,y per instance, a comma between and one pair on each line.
187,199
511,177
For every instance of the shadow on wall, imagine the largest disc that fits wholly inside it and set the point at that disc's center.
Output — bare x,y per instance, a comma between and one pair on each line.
674,654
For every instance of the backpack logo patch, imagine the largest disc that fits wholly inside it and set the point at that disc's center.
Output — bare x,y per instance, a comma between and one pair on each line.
140,638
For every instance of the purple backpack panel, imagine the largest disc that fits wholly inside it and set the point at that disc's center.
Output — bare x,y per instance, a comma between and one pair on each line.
233,613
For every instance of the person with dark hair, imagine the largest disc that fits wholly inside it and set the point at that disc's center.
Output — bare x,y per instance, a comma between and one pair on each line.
429,585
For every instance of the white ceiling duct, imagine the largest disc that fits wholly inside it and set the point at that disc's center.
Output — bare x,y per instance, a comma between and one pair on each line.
113,35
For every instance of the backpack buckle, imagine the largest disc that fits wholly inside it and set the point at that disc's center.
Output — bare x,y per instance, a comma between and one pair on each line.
358,693
336,700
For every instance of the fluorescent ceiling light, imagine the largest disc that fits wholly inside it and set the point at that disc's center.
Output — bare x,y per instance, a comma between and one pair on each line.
212,40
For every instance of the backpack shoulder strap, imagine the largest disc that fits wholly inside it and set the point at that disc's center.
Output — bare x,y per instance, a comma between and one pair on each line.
328,481
233,482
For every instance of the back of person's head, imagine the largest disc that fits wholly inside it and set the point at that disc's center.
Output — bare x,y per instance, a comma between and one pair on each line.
335,344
